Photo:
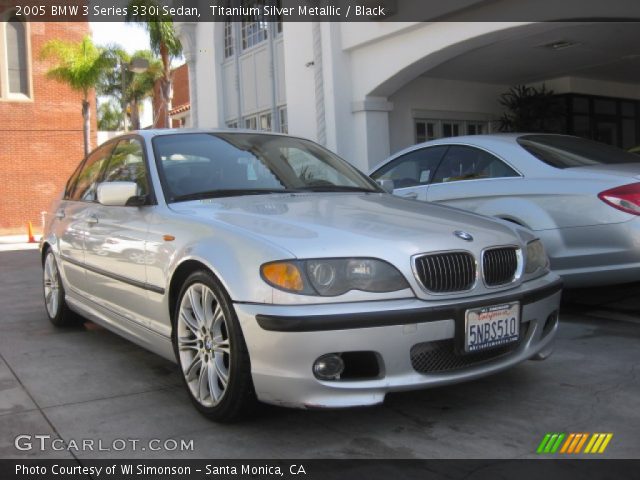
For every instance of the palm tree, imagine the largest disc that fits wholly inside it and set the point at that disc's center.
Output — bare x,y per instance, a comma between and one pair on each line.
164,42
109,116
80,66
140,86
137,86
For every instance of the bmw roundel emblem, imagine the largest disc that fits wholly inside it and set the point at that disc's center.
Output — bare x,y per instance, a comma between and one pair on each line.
463,235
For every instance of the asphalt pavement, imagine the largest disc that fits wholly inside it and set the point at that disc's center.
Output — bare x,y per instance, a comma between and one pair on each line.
86,383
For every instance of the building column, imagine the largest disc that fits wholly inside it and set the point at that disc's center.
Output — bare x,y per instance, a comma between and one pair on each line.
186,32
370,132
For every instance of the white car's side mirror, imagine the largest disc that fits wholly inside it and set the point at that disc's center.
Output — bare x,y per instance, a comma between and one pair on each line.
116,194
386,184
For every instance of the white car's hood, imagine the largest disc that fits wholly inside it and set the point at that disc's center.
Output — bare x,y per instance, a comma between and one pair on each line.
350,224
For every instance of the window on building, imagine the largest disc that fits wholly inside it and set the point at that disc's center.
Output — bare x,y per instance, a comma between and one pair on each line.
265,121
251,123
284,121
430,129
232,124
476,128
14,59
425,130
254,29
228,39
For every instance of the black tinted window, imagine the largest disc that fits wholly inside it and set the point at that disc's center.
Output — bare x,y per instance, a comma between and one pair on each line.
87,182
127,165
469,163
562,151
414,168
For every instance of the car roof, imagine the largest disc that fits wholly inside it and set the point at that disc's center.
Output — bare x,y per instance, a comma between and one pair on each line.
488,141
154,132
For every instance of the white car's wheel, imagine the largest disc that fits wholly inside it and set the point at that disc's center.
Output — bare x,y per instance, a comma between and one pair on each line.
211,351
57,310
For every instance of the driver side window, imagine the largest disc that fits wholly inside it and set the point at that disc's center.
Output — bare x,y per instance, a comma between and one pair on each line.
413,169
86,180
127,165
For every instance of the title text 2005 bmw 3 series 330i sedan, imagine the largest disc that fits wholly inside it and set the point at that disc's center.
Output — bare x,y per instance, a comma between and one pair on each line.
272,270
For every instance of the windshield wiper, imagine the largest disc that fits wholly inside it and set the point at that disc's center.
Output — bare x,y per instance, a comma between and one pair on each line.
335,188
235,192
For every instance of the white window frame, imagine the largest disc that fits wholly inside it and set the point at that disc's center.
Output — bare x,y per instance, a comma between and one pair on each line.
5,94
439,123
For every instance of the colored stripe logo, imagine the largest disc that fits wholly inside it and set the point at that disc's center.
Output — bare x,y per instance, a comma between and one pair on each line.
573,443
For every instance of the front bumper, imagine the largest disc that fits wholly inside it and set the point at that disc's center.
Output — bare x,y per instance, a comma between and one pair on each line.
285,341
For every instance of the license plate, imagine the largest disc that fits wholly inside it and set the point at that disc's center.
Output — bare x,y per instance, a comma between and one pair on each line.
490,327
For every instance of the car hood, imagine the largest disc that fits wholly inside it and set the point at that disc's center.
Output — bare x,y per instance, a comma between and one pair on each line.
350,224
631,170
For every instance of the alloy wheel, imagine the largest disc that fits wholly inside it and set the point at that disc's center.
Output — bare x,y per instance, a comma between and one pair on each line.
51,285
204,345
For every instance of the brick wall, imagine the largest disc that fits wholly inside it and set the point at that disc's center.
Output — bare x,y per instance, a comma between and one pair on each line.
41,139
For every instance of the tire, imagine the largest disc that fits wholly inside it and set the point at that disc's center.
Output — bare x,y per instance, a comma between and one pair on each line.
211,351
55,305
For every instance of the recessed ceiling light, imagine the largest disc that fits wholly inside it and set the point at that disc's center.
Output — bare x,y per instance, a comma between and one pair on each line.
560,45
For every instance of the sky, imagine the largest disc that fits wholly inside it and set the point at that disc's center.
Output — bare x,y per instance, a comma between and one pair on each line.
129,36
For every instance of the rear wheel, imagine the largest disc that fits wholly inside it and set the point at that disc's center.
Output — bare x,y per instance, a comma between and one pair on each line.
211,350
57,310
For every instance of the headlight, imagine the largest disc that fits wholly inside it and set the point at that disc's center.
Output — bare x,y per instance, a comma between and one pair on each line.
333,276
536,257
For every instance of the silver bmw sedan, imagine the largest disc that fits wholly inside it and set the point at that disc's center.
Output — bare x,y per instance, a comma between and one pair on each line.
271,270
582,198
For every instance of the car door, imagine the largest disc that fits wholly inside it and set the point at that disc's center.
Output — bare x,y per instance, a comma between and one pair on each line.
116,257
412,172
470,177
71,218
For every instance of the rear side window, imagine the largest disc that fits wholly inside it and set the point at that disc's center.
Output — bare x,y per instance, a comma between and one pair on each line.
469,163
561,151
87,179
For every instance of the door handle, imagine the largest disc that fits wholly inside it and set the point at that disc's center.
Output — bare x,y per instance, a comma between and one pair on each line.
410,195
92,219
60,214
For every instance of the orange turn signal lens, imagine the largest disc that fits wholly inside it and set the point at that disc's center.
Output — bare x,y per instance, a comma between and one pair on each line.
283,275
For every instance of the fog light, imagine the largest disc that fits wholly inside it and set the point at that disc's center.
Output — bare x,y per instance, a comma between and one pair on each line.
328,367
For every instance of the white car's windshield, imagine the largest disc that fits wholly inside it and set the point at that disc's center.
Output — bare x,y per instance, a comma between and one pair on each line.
206,165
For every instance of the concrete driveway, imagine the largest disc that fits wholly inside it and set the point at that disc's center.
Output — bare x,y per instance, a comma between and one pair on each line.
87,383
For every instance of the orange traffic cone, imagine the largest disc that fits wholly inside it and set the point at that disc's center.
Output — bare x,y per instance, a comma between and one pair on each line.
31,239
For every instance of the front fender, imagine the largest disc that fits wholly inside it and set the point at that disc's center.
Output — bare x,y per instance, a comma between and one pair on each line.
235,262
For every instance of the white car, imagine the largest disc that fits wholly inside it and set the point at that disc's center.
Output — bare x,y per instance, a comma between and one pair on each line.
580,197
281,273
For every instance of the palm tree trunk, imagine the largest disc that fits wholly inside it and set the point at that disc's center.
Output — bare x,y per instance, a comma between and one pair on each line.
135,115
86,116
165,84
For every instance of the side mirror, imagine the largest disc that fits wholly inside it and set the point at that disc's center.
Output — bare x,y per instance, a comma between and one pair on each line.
116,194
386,184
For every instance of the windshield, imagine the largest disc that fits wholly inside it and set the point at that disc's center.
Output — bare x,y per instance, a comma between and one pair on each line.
206,165
563,151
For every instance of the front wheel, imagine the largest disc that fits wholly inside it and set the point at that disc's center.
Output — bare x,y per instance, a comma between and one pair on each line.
57,310
211,351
